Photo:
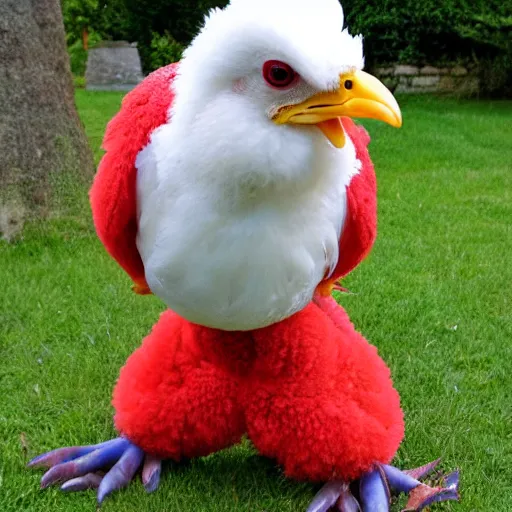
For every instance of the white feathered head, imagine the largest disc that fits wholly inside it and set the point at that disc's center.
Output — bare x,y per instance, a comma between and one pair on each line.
290,61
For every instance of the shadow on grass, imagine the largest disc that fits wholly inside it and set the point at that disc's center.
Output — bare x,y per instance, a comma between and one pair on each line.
233,479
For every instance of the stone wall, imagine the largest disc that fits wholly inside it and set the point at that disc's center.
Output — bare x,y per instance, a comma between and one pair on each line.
412,79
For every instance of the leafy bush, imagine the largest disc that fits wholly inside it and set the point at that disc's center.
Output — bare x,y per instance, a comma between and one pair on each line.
407,31
78,55
476,34
176,17
491,37
77,58
164,49
79,82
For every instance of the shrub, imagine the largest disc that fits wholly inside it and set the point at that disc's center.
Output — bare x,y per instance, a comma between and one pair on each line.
78,56
164,49
177,17
79,82
476,34
491,38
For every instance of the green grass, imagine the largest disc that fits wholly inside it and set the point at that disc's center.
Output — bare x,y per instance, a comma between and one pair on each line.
434,296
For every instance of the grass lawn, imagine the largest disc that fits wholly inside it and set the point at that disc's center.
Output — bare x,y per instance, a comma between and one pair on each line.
435,297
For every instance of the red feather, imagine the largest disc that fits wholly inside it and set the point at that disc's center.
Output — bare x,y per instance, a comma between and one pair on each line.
113,193
310,391
360,227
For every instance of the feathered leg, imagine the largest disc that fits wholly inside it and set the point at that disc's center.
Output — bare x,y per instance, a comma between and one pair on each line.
172,400
322,403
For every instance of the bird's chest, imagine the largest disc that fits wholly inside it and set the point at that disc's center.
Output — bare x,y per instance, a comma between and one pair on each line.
243,269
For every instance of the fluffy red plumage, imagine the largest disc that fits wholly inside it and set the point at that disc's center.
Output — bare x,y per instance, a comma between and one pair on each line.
360,228
309,391
113,193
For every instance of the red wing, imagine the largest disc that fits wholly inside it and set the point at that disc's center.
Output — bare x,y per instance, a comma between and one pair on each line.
360,227
113,193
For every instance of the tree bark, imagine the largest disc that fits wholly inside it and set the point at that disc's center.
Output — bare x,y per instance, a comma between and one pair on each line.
85,38
44,154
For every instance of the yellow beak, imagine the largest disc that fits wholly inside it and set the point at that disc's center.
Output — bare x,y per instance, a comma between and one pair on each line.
359,95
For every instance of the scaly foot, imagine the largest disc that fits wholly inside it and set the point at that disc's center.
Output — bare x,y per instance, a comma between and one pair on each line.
106,466
375,489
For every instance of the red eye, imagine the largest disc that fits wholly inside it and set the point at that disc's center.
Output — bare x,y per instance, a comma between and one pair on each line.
278,74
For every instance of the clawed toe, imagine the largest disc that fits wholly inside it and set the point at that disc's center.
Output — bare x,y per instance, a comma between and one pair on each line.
423,495
82,483
95,460
122,472
334,494
420,494
376,487
151,473
49,459
374,491
107,467
347,503
422,471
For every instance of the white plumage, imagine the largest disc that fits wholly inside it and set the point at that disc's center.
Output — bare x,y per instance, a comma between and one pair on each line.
240,218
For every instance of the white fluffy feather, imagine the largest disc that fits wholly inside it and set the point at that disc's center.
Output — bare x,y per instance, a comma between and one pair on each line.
239,218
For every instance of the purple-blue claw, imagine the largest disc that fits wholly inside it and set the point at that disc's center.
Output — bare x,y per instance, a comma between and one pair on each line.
421,495
82,483
49,459
122,472
424,495
83,467
422,471
93,461
374,492
451,481
398,480
347,503
151,473
334,495
327,496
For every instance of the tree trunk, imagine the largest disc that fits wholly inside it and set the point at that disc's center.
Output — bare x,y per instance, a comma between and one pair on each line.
85,38
44,156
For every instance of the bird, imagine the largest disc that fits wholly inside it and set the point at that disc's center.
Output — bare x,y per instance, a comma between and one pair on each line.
237,188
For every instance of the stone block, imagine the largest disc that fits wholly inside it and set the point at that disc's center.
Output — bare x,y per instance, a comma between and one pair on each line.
402,69
403,88
384,71
408,79
429,70
428,82
113,66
